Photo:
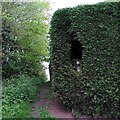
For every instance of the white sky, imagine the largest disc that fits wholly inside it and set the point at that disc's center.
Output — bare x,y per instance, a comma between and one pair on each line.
56,4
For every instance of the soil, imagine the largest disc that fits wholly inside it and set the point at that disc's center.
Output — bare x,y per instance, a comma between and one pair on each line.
53,105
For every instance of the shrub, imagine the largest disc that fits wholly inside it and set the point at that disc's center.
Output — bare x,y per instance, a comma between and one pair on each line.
21,89
19,110
95,27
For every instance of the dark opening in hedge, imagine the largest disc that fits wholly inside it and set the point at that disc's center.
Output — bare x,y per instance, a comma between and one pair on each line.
76,55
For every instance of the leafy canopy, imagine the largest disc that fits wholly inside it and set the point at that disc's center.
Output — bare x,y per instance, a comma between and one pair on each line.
24,33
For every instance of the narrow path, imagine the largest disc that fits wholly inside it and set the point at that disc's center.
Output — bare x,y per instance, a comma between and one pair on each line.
42,100
53,105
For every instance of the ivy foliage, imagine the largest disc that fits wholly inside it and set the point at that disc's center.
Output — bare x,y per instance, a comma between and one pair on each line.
24,33
95,91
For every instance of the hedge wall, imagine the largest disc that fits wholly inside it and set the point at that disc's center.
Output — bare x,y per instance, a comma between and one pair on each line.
95,90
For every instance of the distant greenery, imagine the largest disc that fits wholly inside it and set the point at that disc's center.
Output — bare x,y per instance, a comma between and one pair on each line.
24,33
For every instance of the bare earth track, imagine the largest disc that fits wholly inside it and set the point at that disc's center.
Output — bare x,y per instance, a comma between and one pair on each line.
54,106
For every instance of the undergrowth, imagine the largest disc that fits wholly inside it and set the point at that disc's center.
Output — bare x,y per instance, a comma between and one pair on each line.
17,94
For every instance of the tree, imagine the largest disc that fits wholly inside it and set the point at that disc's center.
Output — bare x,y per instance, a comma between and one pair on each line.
25,43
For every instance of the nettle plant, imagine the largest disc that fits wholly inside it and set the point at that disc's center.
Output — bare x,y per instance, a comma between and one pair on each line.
85,58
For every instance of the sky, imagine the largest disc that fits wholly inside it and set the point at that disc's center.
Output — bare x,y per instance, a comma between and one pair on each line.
56,4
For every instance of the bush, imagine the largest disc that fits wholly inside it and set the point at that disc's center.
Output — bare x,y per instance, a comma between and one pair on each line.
95,27
21,89
19,110
17,93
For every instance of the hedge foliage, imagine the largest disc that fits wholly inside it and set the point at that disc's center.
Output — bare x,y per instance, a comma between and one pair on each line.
96,27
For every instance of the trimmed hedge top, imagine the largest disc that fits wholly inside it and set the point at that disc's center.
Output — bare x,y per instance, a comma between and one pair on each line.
96,28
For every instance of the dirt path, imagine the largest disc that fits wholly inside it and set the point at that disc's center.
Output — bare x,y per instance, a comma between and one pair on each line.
54,106
42,101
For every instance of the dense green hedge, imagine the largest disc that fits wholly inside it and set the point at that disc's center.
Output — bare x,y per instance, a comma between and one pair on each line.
96,89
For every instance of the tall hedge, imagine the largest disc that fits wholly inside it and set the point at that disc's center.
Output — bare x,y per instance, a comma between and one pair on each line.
95,90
